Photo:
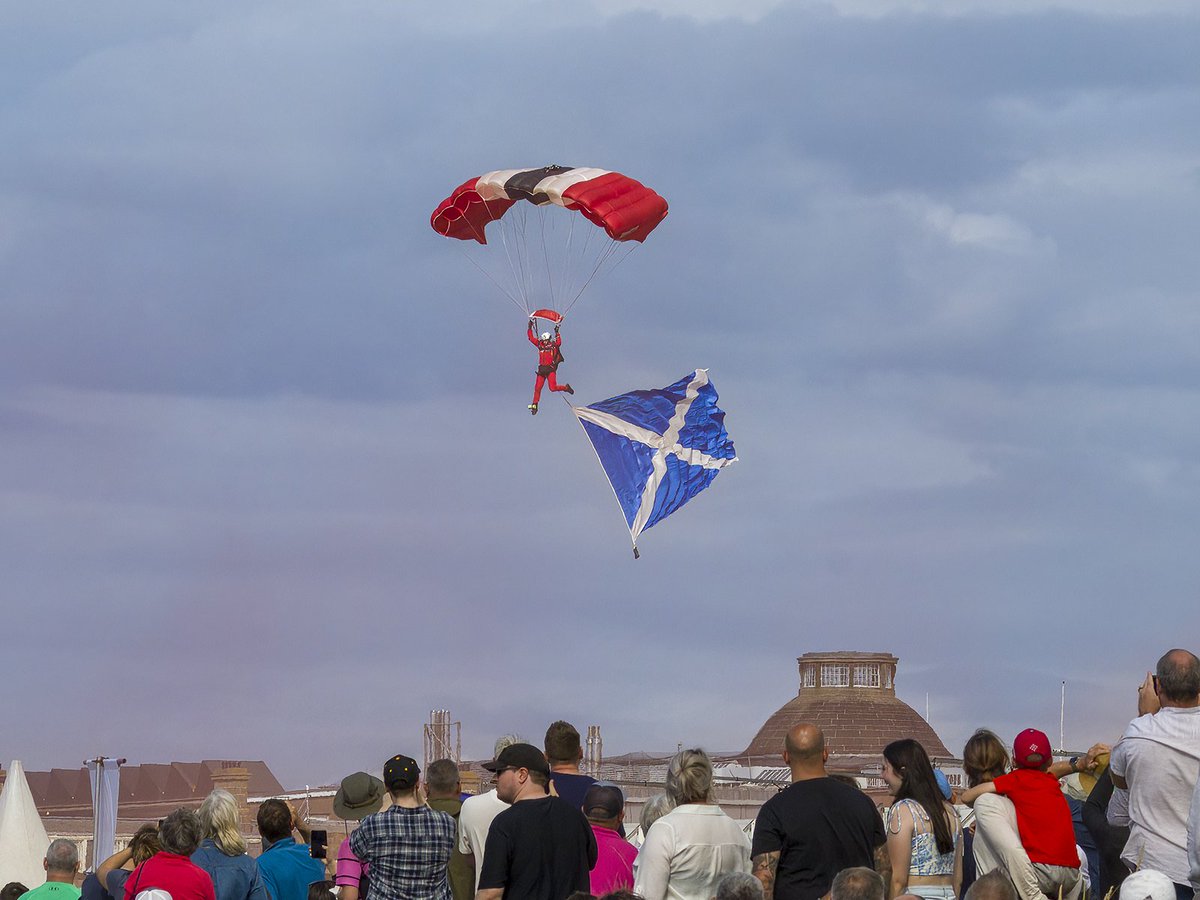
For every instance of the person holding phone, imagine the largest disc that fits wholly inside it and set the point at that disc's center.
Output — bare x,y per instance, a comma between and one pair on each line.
1158,761
287,867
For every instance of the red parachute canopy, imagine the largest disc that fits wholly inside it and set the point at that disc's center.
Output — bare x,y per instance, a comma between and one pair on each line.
626,209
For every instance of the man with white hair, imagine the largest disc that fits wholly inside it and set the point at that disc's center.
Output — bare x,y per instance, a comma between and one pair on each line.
739,886
61,864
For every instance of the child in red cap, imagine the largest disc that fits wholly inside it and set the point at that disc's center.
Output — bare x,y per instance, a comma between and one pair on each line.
1043,817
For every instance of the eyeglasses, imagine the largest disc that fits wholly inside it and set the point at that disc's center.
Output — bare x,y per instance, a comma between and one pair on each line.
504,769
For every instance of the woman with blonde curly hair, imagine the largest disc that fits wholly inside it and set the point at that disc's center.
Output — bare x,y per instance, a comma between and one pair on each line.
687,851
222,852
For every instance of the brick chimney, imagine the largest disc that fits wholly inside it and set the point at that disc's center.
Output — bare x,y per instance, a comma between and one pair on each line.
233,777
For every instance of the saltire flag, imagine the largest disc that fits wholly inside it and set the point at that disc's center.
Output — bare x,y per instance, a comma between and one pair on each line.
659,448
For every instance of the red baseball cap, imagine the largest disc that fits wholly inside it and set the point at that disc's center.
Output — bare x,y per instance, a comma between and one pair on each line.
1031,749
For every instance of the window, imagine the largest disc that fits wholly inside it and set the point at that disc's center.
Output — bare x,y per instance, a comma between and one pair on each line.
866,676
835,676
808,676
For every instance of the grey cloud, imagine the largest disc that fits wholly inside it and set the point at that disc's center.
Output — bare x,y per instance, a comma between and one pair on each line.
939,268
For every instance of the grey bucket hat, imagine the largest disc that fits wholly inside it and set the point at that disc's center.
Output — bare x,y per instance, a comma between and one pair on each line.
358,796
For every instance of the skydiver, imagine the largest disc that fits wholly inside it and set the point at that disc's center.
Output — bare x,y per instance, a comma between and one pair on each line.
549,356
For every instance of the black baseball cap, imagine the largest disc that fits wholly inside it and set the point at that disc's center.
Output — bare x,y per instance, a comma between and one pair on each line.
603,800
520,756
400,773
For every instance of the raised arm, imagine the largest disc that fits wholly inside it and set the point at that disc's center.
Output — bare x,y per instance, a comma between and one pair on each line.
970,795
1085,763
117,861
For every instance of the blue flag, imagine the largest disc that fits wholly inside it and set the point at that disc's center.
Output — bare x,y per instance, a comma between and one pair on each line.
659,448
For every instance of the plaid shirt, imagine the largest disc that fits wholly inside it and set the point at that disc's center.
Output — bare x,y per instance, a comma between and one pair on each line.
407,850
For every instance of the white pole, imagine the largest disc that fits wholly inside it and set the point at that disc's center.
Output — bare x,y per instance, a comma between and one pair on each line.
1062,717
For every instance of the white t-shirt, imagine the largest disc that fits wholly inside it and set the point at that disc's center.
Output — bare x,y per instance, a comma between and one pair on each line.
474,820
1193,838
688,851
1159,758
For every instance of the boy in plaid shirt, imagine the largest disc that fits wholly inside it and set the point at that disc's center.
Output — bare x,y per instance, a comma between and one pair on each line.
408,845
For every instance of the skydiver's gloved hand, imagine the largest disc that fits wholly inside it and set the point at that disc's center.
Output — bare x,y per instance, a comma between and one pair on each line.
556,329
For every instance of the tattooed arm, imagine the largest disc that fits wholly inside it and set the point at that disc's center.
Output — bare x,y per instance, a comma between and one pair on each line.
764,866
883,864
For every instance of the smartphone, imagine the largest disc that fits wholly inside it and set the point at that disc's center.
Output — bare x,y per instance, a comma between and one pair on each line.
318,843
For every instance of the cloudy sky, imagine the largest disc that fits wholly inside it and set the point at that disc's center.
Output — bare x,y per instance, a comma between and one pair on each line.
268,487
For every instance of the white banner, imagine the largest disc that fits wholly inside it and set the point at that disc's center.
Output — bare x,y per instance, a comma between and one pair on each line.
105,775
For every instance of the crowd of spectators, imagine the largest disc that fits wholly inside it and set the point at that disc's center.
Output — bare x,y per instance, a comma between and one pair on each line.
1121,821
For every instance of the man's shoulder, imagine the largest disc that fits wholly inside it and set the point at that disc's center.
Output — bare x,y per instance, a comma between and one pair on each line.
549,808
614,843
1169,732
285,858
445,819
451,806
482,805
576,777
57,889
818,791
1145,726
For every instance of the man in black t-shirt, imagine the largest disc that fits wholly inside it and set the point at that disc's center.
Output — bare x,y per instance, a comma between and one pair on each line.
540,848
809,832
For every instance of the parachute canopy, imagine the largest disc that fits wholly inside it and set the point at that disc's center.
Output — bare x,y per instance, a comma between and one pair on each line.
626,209
659,448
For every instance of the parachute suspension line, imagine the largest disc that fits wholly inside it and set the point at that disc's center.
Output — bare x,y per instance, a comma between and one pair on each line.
524,304
585,253
608,253
527,258
518,225
567,283
546,261
488,275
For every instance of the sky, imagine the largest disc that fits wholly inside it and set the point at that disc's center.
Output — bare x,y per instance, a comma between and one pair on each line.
268,486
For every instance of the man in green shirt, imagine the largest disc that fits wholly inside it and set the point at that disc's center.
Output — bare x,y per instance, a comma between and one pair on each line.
444,789
61,864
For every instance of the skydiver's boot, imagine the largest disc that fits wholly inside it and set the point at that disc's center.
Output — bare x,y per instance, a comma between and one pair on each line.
533,409
570,390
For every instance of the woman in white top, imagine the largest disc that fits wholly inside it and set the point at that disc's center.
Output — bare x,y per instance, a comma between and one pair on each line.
924,837
688,850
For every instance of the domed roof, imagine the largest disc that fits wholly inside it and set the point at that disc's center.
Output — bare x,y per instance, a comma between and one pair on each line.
852,697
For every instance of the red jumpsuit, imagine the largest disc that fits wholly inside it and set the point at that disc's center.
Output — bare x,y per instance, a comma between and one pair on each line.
548,358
